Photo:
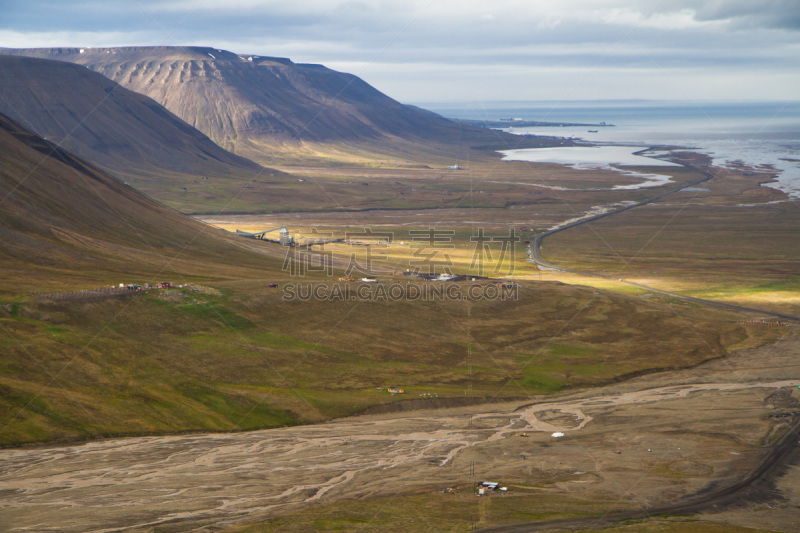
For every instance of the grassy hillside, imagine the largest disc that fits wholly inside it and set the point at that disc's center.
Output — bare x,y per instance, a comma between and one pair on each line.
243,357
66,225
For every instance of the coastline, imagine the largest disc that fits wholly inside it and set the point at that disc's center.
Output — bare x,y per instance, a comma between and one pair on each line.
761,135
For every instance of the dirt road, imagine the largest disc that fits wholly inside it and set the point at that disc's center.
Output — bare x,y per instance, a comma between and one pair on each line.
786,451
536,255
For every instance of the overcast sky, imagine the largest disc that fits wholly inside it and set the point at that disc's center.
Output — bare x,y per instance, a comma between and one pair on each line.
424,51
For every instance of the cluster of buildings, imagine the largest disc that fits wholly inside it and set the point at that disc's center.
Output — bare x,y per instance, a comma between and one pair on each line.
145,286
485,487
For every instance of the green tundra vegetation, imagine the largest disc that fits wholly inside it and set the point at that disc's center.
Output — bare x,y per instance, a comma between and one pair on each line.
242,357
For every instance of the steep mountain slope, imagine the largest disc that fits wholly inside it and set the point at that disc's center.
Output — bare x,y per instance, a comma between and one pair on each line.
65,224
119,130
250,103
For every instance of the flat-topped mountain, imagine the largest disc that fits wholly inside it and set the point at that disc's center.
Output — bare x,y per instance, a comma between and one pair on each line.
110,125
123,132
249,103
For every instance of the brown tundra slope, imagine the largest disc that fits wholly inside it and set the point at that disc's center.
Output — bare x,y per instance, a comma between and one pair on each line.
119,129
67,225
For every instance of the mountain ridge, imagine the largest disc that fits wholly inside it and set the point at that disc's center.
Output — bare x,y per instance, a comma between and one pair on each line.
125,133
251,104
83,105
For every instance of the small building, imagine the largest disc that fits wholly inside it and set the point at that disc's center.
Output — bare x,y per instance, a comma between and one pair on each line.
284,238
395,390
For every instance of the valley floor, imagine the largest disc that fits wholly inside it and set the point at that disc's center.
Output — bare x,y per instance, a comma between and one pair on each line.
632,445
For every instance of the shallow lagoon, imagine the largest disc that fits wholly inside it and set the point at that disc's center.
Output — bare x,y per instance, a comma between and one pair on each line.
597,157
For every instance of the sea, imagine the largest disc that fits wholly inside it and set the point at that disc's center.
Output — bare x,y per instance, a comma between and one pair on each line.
762,135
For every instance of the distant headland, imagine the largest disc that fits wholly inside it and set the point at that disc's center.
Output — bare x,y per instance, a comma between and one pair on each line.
520,123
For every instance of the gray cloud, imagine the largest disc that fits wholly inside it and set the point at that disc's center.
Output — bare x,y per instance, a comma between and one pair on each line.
541,39
740,14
